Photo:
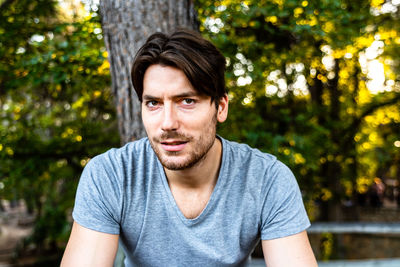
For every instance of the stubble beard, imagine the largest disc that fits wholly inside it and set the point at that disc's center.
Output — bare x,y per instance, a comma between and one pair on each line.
200,148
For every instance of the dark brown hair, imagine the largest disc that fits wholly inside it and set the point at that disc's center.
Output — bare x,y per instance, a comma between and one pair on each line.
199,59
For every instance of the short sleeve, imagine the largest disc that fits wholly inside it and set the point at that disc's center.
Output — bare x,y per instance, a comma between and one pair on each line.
98,197
283,213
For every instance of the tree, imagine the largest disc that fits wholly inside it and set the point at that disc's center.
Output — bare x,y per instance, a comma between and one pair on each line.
55,111
297,87
126,26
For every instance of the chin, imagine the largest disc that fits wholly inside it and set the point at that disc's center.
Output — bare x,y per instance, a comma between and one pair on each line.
176,165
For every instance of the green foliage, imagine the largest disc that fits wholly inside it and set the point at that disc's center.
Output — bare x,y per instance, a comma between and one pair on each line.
56,110
299,91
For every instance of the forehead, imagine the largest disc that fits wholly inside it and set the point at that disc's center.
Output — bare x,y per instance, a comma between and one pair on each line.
165,80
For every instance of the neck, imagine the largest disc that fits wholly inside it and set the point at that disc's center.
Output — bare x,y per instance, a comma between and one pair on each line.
203,174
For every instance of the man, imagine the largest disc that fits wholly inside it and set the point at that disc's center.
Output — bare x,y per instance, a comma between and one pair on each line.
184,196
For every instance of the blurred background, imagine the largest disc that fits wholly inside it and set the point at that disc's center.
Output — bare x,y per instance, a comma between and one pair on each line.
316,83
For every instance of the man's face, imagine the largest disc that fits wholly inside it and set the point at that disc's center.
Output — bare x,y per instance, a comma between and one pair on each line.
180,123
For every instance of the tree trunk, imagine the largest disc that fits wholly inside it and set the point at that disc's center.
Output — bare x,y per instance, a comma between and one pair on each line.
126,26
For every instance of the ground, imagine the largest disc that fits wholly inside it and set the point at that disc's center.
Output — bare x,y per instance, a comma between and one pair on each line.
15,224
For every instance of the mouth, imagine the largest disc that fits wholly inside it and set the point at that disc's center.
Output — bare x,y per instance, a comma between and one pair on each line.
173,145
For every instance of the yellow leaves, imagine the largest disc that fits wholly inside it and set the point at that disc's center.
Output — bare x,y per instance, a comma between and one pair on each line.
348,186
364,96
67,132
299,159
17,110
366,146
247,3
364,41
78,103
326,194
312,21
322,78
96,94
350,110
104,67
328,27
384,35
339,53
72,133
84,161
286,151
9,151
344,74
278,2
272,19
105,54
21,73
384,116
1,147
362,184
298,11
377,3
373,136
380,115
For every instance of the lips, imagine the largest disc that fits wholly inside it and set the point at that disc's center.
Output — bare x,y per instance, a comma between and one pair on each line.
173,145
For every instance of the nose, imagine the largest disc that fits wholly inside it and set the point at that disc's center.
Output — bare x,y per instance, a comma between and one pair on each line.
170,118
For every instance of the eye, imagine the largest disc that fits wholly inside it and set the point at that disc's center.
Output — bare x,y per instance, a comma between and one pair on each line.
152,103
188,101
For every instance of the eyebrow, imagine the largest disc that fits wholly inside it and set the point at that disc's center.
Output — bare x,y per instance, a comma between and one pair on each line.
182,95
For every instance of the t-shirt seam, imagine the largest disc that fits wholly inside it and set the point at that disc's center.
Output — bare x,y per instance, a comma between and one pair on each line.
287,231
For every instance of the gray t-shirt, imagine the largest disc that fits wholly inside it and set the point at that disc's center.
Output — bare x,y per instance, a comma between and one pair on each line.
125,191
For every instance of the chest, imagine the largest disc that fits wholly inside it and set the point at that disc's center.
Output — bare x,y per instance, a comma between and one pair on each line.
219,235
191,203
211,228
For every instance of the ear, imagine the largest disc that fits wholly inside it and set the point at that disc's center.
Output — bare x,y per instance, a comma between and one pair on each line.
222,111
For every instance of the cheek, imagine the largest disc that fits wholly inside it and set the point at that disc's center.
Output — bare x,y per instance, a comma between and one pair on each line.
200,121
148,123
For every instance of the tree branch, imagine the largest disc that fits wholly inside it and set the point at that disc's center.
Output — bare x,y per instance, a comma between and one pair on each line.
354,126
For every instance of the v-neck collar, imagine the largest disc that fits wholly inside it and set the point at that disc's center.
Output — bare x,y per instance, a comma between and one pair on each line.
214,195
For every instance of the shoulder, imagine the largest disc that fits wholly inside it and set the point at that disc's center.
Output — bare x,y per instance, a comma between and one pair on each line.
117,163
123,155
259,168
